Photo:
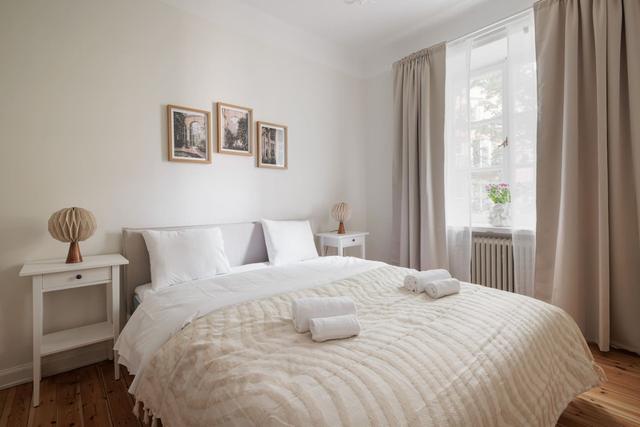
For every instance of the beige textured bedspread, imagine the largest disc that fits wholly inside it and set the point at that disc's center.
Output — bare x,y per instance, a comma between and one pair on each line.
480,358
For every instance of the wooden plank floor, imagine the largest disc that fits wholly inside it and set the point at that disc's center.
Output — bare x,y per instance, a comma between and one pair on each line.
86,396
616,402
90,396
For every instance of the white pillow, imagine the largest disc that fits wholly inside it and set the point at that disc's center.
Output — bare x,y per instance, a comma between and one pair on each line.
288,241
185,255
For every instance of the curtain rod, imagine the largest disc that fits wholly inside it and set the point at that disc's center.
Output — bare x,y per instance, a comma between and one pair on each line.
487,27
468,35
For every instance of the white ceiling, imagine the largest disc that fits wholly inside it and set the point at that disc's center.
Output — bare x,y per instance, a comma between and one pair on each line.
361,40
359,27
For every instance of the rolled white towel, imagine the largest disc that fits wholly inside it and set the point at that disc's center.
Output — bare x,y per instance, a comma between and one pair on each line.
440,288
305,309
417,282
333,328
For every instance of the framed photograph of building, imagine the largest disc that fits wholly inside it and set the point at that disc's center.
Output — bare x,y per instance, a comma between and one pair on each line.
189,134
272,145
234,129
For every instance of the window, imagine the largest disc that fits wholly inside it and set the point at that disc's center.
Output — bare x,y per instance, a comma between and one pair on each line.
488,124
490,128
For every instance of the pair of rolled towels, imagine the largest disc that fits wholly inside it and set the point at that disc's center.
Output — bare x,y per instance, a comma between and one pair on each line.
328,318
435,283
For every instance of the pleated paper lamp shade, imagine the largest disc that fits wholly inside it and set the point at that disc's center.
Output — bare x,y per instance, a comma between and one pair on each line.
341,212
72,225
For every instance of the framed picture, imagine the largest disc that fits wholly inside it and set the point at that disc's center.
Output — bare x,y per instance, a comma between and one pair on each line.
234,130
189,134
272,146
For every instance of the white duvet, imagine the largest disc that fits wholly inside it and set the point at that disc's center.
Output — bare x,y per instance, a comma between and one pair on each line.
164,313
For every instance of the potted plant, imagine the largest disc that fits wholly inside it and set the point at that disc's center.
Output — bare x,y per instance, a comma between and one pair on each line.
500,195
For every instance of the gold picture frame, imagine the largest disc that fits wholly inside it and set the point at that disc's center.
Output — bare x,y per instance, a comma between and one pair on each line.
188,134
273,145
235,129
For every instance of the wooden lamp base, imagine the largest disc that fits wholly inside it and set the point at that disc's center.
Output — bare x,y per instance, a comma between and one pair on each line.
341,229
74,255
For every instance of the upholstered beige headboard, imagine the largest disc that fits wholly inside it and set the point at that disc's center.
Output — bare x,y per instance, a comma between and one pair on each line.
244,244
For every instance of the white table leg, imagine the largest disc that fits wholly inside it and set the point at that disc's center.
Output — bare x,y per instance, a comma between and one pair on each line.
115,316
109,313
362,254
340,248
37,337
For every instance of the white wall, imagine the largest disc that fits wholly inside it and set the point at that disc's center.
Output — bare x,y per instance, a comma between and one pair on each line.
379,105
84,86
379,161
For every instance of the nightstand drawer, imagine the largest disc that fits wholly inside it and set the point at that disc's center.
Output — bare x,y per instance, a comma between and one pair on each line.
352,241
73,279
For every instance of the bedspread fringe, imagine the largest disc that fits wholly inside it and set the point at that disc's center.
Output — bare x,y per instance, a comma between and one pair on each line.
147,416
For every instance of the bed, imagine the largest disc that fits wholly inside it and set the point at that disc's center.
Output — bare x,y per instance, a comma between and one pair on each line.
223,351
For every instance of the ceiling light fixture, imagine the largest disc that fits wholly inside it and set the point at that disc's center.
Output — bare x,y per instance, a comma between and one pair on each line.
360,2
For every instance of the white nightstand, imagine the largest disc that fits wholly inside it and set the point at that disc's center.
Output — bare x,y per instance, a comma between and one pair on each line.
55,275
341,241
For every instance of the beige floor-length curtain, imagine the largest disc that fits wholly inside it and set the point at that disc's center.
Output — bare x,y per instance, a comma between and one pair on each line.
418,172
588,170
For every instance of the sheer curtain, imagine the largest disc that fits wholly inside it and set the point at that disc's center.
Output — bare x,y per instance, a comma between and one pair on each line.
458,159
522,111
519,107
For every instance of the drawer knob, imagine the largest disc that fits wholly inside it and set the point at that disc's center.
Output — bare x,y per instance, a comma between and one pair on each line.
353,240
78,276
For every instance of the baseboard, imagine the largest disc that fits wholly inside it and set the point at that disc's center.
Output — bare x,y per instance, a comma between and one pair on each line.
624,347
55,364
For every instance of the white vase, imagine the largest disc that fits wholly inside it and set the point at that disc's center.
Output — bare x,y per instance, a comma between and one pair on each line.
500,215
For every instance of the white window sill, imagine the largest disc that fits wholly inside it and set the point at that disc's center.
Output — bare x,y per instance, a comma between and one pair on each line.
488,228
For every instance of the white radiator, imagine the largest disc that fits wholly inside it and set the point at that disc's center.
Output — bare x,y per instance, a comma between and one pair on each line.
492,262
497,263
